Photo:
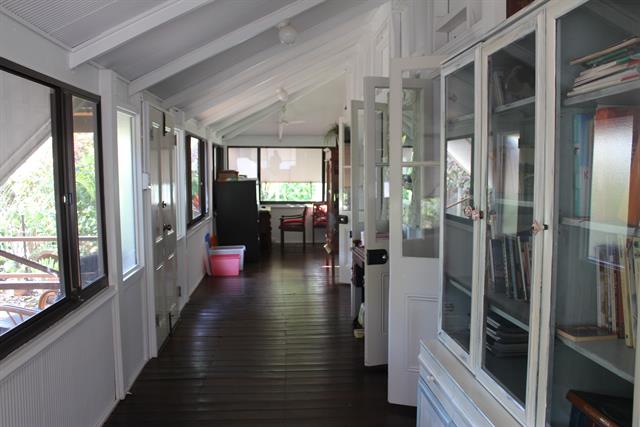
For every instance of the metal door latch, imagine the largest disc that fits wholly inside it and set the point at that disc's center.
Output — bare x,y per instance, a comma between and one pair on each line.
536,227
343,219
377,257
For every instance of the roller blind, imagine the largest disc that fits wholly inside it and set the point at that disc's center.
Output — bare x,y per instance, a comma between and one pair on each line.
290,165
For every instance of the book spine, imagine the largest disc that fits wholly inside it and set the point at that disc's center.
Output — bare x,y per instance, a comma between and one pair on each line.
507,276
625,275
634,289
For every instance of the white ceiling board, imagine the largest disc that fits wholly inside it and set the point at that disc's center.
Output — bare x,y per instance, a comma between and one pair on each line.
193,30
73,22
130,29
319,110
201,77
227,41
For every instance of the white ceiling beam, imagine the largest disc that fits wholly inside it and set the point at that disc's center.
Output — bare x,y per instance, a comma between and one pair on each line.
131,29
221,44
252,102
244,124
278,76
256,66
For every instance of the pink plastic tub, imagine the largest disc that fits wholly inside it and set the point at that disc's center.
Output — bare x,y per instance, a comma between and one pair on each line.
225,265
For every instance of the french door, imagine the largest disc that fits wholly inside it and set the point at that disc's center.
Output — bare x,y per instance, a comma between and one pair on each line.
414,187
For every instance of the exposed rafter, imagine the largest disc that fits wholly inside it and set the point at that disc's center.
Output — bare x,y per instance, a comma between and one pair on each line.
256,66
132,28
237,128
253,101
221,44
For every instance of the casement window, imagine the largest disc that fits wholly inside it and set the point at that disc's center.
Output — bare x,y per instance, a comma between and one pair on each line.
196,154
127,185
52,246
286,175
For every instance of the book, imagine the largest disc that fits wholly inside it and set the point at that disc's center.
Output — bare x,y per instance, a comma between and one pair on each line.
582,146
615,149
625,76
595,74
613,63
585,333
616,48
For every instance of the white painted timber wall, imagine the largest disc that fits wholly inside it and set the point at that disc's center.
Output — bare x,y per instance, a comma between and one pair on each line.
74,373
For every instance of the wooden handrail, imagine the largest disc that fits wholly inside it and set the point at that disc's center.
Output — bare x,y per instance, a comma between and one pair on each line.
27,262
40,238
29,285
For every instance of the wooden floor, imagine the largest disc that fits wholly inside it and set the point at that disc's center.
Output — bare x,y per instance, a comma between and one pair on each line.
273,347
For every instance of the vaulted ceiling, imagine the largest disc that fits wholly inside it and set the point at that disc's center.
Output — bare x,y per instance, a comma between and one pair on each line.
219,61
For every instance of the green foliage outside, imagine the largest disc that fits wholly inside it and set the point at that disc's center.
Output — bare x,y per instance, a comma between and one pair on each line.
291,191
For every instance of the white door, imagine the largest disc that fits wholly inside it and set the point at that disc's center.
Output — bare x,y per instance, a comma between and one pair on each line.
162,146
376,219
414,181
356,222
344,204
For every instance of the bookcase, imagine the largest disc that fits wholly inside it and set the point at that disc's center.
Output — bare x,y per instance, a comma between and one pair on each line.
540,241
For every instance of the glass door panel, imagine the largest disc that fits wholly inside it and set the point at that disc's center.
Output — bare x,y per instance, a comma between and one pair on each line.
509,214
597,251
420,165
458,253
382,161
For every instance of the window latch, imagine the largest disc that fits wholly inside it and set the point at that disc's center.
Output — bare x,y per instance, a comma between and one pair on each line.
67,199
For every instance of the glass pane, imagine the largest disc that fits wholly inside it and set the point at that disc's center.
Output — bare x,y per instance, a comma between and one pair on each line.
458,227
421,170
86,183
360,174
382,161
346,173
597,258
291,175
509,215
30,259
243,160
126,183
196,178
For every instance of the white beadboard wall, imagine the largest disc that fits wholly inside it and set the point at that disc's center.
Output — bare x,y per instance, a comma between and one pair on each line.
195,255
132,331
70,383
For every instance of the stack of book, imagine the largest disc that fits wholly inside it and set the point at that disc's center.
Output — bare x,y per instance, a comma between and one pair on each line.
510,266
617,279
612,66
505,339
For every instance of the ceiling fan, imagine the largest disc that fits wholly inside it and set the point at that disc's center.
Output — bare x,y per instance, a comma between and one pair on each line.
283,123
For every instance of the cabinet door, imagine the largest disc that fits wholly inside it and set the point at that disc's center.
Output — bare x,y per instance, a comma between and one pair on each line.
593,363
512,156
459,203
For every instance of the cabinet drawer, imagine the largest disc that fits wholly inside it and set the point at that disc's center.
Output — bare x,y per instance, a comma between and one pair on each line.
430,411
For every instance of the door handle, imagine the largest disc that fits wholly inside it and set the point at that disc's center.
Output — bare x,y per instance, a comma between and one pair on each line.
343,219
167,227
163,204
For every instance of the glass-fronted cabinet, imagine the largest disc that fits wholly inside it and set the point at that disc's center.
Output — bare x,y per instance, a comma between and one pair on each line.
508,213
596,261
540,248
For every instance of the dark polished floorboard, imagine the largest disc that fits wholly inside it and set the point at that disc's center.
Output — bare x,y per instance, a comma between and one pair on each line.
273,347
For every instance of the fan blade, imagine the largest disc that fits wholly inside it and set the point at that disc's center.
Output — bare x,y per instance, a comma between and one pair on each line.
280,131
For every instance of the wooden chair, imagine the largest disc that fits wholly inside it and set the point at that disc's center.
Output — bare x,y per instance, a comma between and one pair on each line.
294,223
319,219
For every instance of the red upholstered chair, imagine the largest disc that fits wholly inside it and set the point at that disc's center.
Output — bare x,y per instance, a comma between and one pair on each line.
319,219
294,223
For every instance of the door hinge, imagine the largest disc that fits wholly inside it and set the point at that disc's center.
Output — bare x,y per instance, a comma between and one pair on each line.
157,320
179,291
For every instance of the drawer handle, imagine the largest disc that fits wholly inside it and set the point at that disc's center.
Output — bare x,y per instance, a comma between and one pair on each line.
431,378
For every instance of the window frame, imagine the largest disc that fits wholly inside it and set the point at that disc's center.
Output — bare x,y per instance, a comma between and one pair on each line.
61,99
136,159
202,166
259,178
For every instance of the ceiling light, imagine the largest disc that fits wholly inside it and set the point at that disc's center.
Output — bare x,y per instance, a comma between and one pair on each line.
287,33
